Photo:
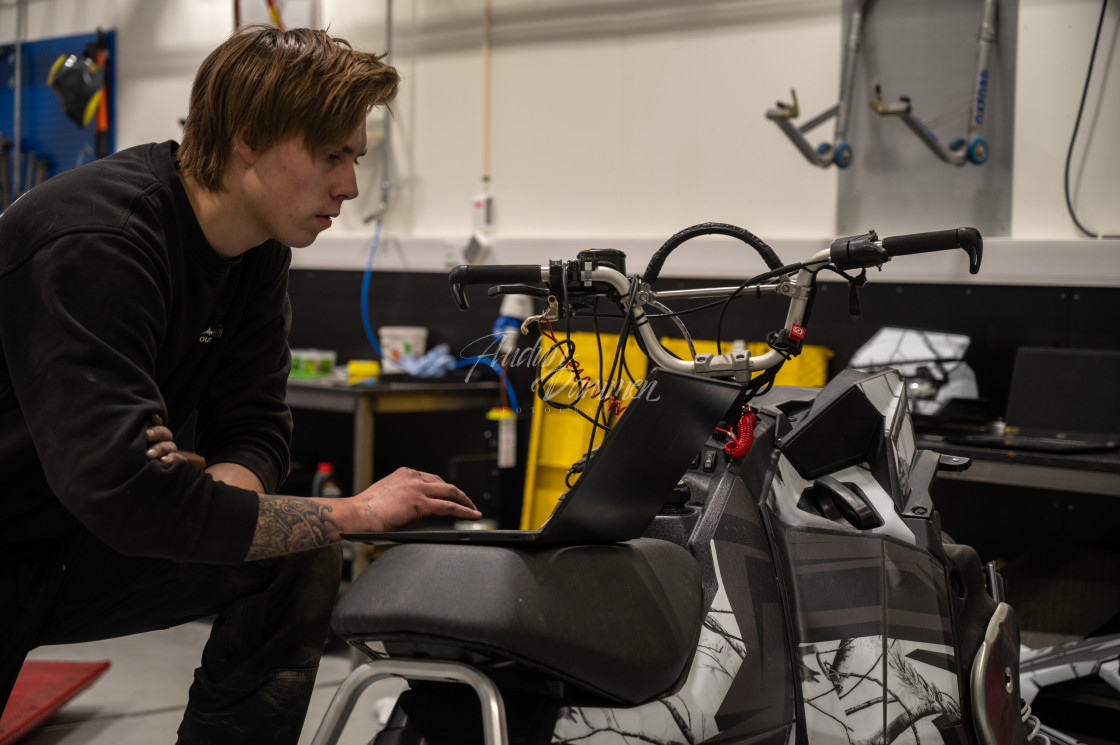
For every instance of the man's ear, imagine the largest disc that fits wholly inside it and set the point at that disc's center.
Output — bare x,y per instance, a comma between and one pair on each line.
241,147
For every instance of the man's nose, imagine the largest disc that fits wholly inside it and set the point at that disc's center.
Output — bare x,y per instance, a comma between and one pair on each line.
347,187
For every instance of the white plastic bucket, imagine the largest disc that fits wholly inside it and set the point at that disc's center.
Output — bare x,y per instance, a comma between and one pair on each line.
400,341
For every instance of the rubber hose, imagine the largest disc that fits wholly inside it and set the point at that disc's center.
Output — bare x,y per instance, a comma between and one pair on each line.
709,228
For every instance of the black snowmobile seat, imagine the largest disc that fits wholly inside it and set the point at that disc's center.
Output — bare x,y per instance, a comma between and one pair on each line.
618,621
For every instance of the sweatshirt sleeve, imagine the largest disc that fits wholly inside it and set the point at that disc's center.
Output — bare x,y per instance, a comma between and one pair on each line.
243,417
81,321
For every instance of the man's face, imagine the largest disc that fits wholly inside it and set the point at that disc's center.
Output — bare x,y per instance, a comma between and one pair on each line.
293,194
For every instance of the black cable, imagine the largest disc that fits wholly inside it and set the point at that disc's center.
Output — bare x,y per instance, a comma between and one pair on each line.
598,421
761,384
566,357
671,314
607,386
653,269
733,295
542,382
1077,125
746,283
598,335
695,309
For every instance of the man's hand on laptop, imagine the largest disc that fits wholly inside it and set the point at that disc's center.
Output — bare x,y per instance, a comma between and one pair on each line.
406,495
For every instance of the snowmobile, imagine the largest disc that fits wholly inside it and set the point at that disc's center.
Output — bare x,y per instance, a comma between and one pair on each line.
793,586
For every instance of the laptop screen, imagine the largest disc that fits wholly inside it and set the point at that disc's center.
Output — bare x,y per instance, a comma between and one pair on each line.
642,458
1072,391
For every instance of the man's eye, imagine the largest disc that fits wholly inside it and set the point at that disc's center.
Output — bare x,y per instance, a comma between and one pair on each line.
356,163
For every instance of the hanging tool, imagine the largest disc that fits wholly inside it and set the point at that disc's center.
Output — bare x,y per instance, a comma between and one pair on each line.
101,127
274,14
77,82
837,152
973,147
482,206
386,148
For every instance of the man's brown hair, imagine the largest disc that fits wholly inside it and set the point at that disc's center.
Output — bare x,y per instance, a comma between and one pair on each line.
277,85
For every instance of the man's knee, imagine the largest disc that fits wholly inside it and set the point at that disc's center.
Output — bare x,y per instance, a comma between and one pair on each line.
324,563
315,576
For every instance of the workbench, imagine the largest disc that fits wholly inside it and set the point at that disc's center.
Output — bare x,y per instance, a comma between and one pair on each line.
1086,473
365,402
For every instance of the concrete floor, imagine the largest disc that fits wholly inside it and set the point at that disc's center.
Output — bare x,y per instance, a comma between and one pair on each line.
140,699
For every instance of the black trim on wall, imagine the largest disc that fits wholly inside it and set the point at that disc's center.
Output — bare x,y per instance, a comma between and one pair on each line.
998,318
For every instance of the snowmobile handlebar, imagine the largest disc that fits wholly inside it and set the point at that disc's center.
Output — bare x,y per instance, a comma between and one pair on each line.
601,272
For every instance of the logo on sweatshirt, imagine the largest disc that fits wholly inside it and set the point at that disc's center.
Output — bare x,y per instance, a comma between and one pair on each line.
210,335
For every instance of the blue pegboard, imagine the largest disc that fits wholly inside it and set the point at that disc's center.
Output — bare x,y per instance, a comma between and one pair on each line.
46,130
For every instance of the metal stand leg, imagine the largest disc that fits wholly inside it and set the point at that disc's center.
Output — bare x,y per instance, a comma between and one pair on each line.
342,705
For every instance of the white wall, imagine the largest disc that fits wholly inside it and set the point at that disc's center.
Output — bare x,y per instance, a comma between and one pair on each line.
621,121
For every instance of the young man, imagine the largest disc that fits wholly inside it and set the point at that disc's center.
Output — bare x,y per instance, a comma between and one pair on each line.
148,287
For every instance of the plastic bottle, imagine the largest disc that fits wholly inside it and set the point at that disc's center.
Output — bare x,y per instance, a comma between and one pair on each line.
323,484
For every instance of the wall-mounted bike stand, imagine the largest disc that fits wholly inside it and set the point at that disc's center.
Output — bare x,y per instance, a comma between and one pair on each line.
838,151
973,147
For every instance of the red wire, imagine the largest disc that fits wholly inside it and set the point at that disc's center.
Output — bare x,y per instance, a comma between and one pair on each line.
741,445
613,405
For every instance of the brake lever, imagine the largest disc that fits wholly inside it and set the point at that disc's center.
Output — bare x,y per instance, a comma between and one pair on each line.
530,290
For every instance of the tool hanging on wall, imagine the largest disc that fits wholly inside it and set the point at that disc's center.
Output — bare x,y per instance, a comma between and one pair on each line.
274,15
837,152
385,131
973,147
101,127
78,83
378,215
482,205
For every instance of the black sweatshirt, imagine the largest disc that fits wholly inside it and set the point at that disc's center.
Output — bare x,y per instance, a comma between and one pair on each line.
114,307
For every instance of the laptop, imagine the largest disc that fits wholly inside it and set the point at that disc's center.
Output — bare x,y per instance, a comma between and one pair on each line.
628,480
1060,401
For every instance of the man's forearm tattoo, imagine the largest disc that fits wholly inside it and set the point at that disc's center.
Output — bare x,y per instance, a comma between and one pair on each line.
288,524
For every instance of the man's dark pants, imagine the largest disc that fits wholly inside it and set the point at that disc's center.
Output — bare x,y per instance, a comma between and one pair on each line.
258,668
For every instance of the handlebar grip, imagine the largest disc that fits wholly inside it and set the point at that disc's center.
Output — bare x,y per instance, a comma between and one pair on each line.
497,274
939,240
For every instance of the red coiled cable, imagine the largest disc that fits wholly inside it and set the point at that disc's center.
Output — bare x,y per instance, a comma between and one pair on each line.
741,445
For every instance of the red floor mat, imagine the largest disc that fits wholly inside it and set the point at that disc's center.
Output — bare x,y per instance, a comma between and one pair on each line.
41,689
